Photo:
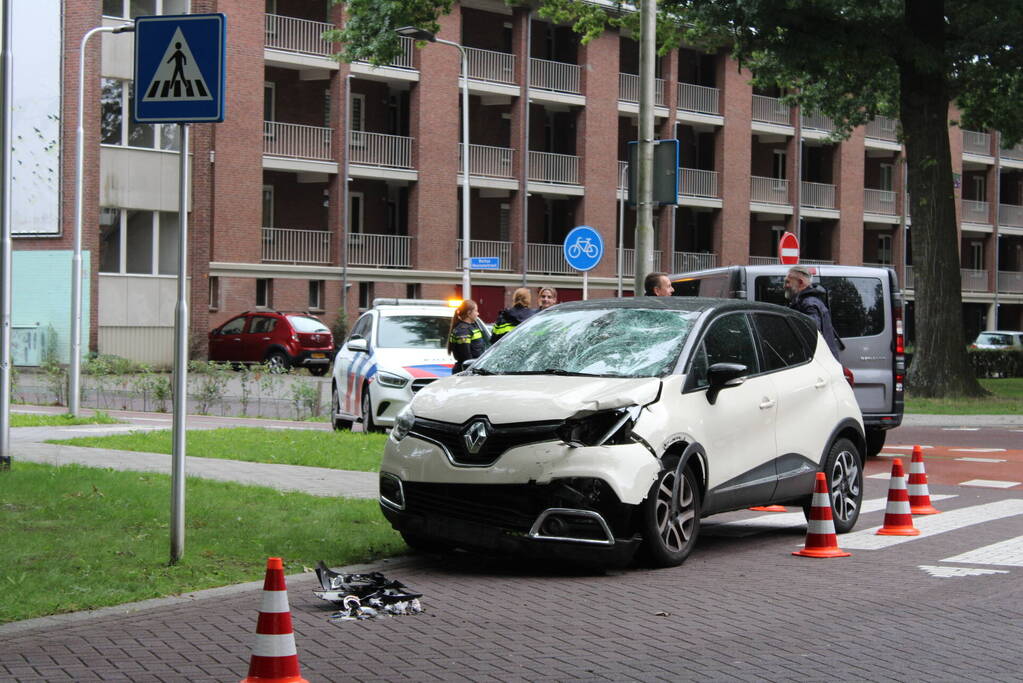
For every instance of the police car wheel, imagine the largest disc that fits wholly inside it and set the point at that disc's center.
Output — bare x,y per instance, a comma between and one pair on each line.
367,414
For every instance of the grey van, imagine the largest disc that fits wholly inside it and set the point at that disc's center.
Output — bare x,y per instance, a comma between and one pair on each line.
866,309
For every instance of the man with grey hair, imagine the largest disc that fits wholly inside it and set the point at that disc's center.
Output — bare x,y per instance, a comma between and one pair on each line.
811,300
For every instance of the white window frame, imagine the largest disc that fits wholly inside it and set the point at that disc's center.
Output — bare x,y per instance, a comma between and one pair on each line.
126,9
980,188
355,227
887,176
884,249
976,251
268,293
316,288
779,163
272,87
214,293
268,189
126,85
122,238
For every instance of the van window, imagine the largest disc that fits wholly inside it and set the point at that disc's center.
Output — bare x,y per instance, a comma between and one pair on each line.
856,303
712,285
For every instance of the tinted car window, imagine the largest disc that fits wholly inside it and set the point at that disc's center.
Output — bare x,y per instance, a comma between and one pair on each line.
262,324
807,332
728,340
233,326
361,329
712,285
988,338
856,303
302,323
778,341
413,331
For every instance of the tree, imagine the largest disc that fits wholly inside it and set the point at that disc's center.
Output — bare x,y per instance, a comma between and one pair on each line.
853,61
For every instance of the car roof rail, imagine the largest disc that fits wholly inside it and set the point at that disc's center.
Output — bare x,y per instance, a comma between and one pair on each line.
385,301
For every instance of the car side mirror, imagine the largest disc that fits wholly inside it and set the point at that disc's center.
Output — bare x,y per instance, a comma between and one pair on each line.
723,375
358,344
468,363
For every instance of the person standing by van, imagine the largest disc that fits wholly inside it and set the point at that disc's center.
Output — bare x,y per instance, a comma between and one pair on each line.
657,284
811,300
465,340
510,318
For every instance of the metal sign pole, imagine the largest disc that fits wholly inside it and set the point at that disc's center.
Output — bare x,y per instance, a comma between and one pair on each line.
586,285
6,249
180,360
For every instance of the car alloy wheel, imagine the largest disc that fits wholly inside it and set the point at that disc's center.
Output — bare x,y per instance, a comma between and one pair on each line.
671,516
278,362
367,413
845,482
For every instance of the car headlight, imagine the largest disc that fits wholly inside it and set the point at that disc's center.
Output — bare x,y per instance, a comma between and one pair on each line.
403,424
598,429
391,380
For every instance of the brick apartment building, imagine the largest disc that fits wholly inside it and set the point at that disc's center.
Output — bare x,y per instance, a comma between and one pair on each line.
550,123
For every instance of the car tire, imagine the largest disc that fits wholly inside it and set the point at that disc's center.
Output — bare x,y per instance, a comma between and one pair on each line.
844,471
339,424
368,425
669,537
318,370
875,441
278,362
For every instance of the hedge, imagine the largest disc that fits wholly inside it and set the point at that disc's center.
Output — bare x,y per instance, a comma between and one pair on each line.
989,363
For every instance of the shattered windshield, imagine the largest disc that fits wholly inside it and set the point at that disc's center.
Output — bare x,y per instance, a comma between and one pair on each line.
617,342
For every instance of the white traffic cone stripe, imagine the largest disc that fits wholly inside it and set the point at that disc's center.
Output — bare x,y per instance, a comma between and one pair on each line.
916,468
274,602
282,645
821,500
918,490
820,526
897,507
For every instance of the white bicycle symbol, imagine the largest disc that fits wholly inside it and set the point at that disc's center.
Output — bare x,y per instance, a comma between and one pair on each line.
582,245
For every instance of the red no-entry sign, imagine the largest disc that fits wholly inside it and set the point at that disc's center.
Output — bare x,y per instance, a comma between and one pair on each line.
788,249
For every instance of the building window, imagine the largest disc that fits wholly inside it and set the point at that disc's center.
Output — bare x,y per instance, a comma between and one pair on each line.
884,249
316,295
129,9
979,188
504,224
355,212
214,292
264,293
116,128
412,290
268,206
269,101
357,120
976,255
138,242
780,162
886,177
365,295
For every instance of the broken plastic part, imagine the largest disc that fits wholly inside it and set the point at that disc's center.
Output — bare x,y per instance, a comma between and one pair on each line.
364,596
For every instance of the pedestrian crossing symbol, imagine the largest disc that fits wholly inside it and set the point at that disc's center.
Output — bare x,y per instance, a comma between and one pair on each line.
178,78
179,68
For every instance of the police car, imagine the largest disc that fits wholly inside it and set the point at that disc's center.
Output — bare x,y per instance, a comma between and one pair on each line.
393,350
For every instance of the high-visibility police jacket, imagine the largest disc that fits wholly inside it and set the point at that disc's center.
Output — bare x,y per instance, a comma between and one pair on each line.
509,319
466,341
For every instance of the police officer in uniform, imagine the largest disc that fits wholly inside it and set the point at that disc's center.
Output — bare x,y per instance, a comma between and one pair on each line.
465,340
510,318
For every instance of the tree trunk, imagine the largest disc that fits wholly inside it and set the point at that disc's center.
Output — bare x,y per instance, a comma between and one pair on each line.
940,365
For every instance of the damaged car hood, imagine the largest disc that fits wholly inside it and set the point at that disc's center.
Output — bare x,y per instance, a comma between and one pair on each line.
506,399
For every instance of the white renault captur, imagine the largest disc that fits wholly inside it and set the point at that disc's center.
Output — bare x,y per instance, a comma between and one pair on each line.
602,427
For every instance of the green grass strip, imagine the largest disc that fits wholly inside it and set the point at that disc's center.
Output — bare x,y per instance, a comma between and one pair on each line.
79,538
312,448
64,420
1006,399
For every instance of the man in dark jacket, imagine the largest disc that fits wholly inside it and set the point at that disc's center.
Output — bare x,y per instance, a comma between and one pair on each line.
811,300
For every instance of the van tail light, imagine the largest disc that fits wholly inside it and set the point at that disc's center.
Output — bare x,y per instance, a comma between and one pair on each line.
899,370
849,376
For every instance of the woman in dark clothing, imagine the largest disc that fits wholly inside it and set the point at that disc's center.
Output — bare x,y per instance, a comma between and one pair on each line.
510,318
465,340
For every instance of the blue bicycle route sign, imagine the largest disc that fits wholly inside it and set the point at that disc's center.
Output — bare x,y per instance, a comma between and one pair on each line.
179,68
583,248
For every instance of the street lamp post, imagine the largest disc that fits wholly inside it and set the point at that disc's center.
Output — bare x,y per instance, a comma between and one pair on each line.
75,373
423,34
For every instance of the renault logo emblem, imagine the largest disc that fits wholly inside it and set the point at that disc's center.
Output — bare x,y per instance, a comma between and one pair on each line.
475,436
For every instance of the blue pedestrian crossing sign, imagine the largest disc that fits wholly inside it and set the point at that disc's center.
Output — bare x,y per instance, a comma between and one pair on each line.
179,68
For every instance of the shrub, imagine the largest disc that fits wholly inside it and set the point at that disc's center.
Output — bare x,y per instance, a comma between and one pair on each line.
991,363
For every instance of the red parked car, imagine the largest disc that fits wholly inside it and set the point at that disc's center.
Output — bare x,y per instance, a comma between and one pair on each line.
281,340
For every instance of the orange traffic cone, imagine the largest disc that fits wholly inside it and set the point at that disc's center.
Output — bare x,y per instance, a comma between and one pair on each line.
919,495
274,657
898,520
820,527
769,508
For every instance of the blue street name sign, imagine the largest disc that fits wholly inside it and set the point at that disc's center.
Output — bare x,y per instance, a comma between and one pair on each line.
583,248
179,68
485,263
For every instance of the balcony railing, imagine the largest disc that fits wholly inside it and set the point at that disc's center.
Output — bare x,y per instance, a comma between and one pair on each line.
486,249
695,182
699,98
686,261
493,162
284,245
557,76
909,278
545,167
975,212
378,149
297,141
1010,281
548,259
292,34
883,128
879,201
976,143
1013,152
771,110
629,262
488,65
1010,214
815,120
974,280
763,260
769,190
628,89
381,251
817,195
816,261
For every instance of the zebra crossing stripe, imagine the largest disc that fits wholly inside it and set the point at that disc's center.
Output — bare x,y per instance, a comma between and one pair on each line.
933,525
1005,553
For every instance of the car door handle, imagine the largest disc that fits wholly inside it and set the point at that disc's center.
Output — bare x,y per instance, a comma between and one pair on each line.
820,383
766,403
